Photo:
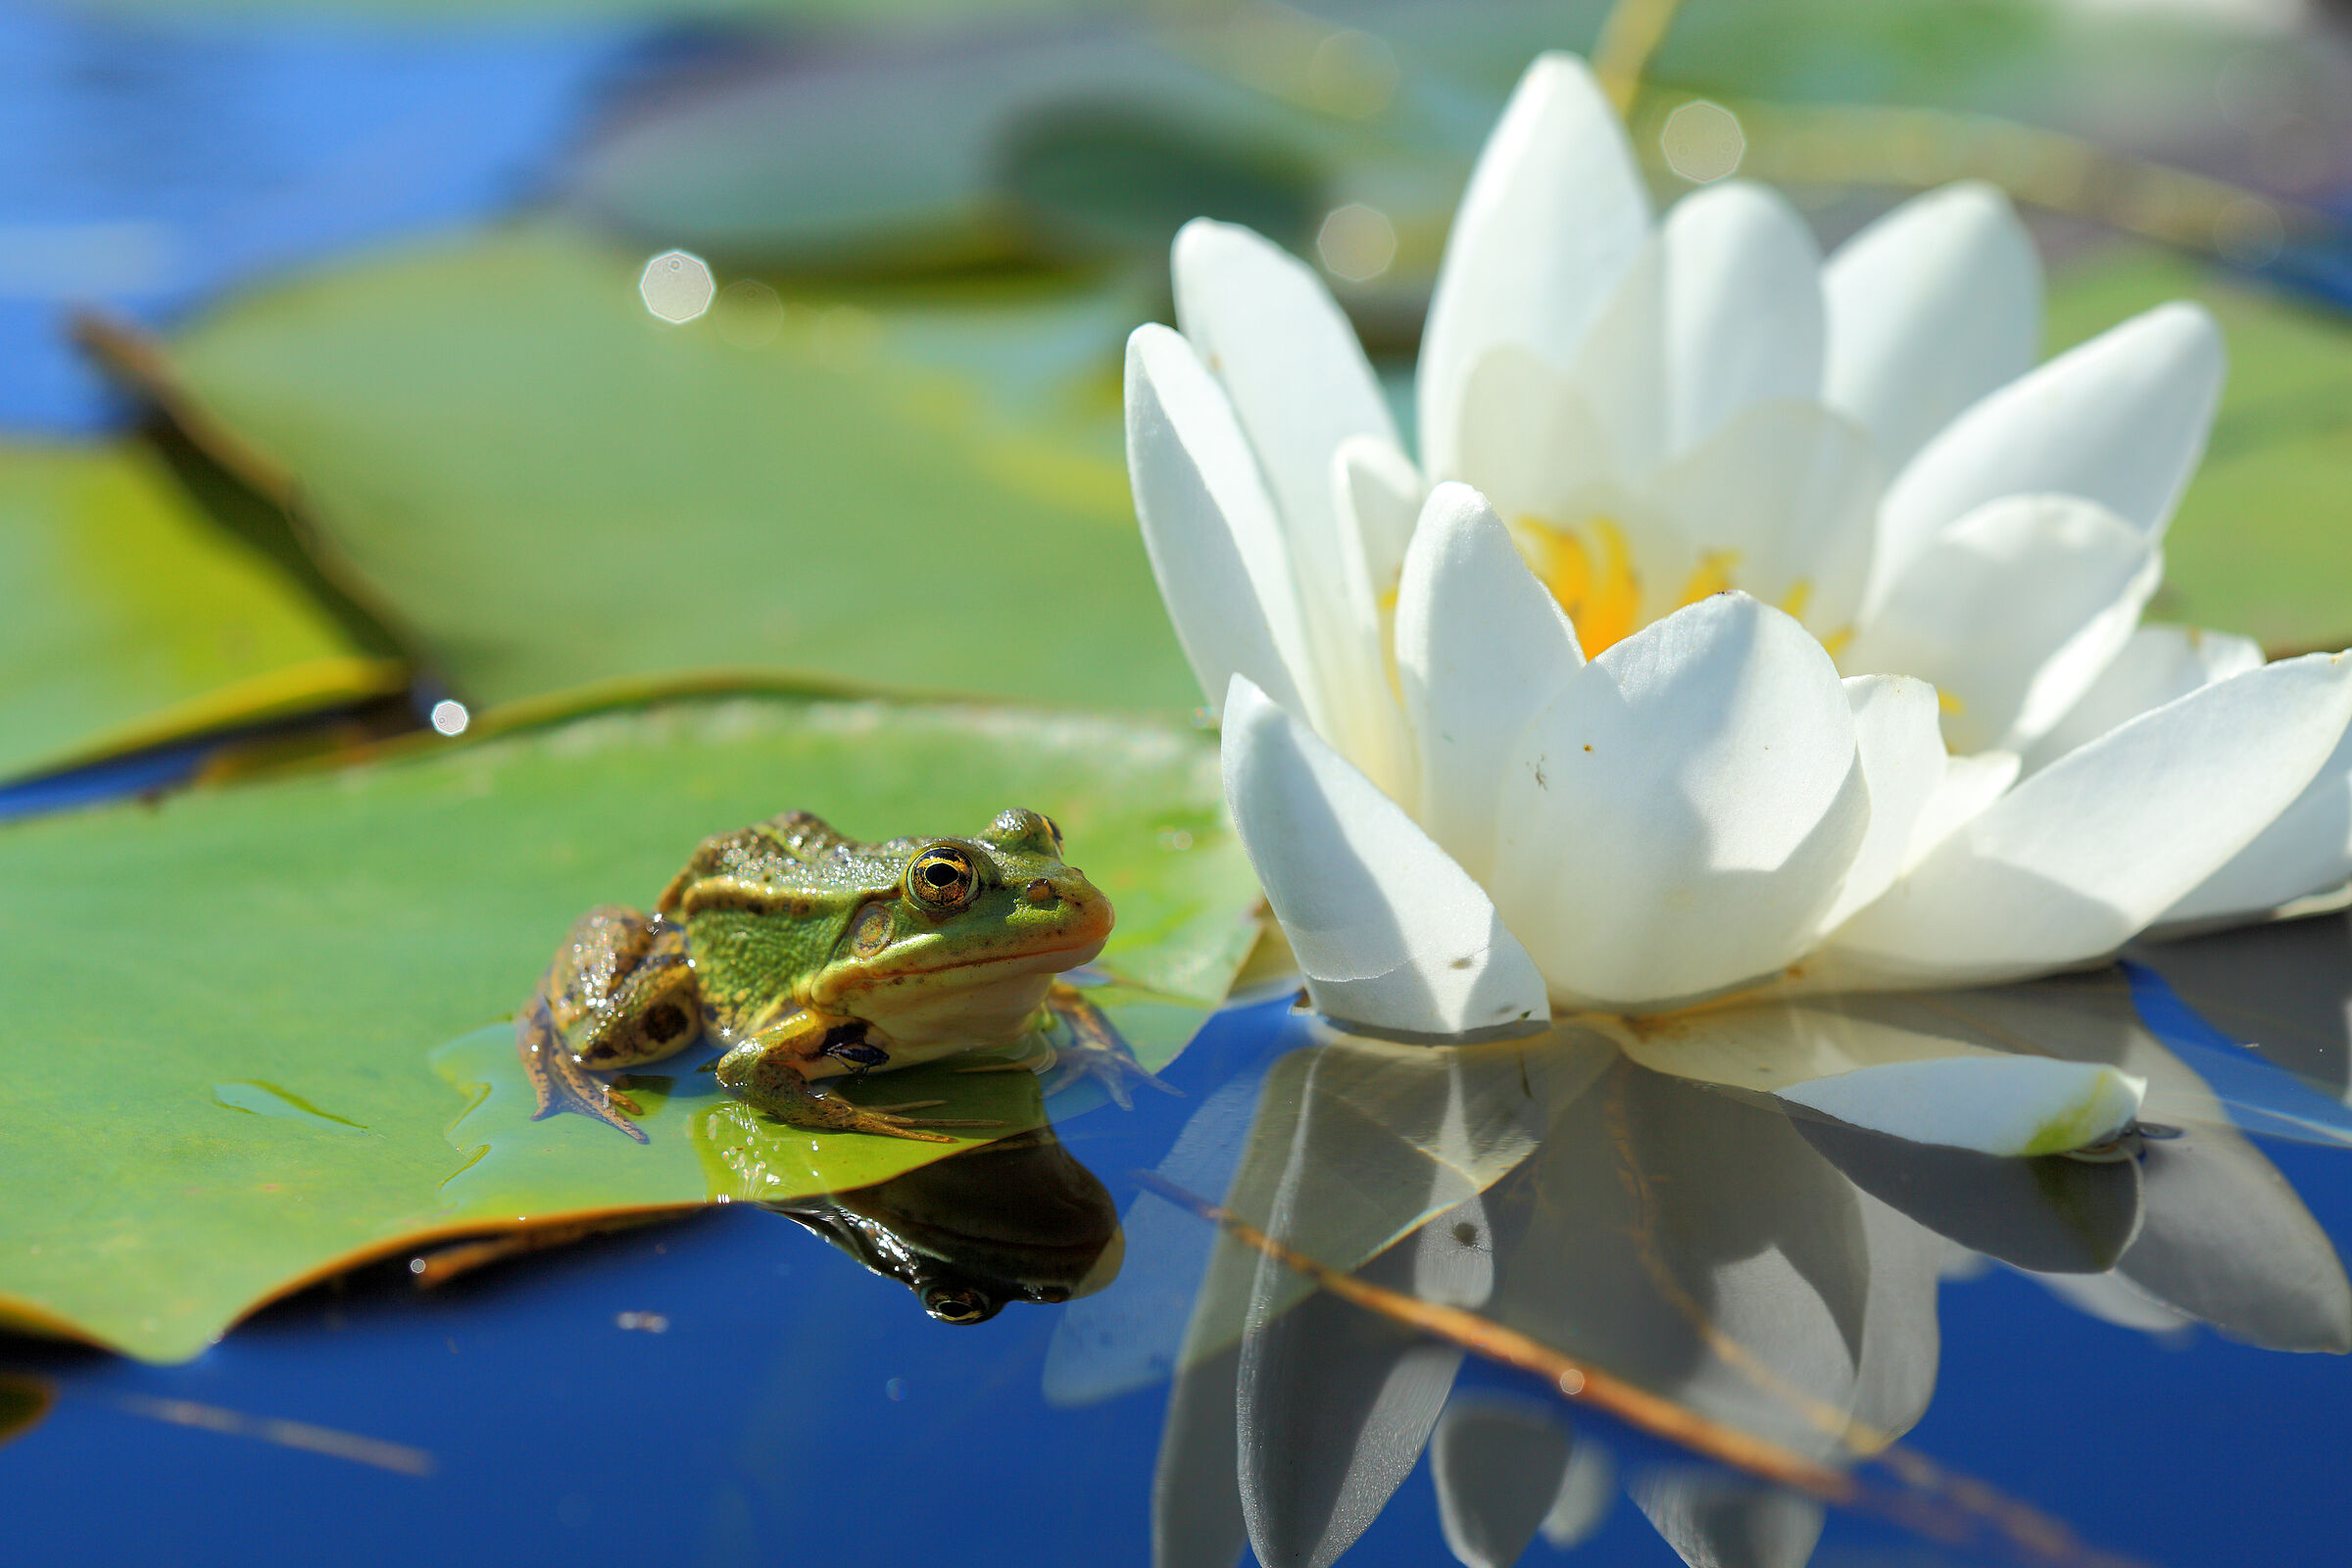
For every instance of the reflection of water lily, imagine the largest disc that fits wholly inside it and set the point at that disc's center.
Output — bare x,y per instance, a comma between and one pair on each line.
1498,741
1768,1271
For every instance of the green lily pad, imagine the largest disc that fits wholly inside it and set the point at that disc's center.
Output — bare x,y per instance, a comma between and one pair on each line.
702,1144
133,619
898,490
2261,544
226,1004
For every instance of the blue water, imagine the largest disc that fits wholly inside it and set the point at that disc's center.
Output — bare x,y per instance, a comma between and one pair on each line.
149,161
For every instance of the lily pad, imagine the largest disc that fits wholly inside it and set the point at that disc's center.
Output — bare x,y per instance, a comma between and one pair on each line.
226,1088
896,490
2260,545
133,619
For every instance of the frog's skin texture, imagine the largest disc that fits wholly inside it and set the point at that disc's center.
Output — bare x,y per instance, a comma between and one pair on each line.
809,954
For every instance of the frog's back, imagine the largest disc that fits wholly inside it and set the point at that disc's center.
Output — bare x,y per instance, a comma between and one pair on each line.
765,907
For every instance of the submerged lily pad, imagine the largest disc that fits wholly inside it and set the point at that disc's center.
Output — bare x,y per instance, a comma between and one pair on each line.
2260,545
133,619
226,1089
887,490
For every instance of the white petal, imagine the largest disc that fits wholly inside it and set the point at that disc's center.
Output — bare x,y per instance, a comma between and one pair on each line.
1554,211
2156,665
1379,490
1389,932
1926,1078
1498,1461
1331,1411
1901,749
2011,612
1967,790
1929,307
1527,438
1787,496
1480,647
1582,1504
1272,335
1994,1104
1743,316
2120,421
2307,850
1621,366
1713,1520
1269,332
1684,811
1208,524
2072,862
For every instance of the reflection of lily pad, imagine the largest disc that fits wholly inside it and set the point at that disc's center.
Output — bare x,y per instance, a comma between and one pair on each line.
236,991
906,491
133,619
702,1144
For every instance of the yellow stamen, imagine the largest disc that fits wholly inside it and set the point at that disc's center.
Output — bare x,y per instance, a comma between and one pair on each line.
1949,704
1712,575
1798,596
1604,604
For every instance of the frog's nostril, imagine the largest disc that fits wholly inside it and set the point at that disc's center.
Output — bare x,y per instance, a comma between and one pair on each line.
1040,891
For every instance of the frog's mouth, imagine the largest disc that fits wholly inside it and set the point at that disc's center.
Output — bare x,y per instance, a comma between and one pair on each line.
1029,960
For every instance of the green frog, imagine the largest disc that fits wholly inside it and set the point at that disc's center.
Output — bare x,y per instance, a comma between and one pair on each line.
809,956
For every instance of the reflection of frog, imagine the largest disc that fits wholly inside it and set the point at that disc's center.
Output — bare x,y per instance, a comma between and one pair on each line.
809,954
1014,1220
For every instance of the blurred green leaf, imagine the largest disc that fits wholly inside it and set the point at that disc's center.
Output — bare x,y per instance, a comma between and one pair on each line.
916,492
133,619
2263,542
226,1004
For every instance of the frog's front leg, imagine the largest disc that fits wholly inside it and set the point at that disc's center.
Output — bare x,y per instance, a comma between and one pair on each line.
770,1072
619,992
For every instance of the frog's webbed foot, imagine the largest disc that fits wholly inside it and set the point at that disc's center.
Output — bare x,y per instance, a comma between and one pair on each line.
766,1075
1094,1050
558,1079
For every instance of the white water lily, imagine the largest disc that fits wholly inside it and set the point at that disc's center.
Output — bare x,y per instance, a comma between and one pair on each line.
1707,643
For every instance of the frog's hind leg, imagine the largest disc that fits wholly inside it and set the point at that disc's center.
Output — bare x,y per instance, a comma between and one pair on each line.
1094,1050
557,1077
620,992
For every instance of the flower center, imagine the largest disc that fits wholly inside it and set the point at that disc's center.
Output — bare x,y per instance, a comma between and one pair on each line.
1590,570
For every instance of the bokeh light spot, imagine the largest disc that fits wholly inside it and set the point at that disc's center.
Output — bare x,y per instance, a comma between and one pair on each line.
678,286
450,718
1356,242
2249,232
749,314
1702,141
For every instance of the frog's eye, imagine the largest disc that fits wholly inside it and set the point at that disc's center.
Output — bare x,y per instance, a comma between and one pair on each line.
958,1304
1054,829
943,878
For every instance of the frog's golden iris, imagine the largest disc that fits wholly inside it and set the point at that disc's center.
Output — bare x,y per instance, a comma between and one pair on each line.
809,955
943,878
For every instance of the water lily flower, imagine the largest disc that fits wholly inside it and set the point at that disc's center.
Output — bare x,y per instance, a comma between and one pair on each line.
1745,619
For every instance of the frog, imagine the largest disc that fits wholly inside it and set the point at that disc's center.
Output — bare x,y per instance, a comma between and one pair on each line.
808,956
